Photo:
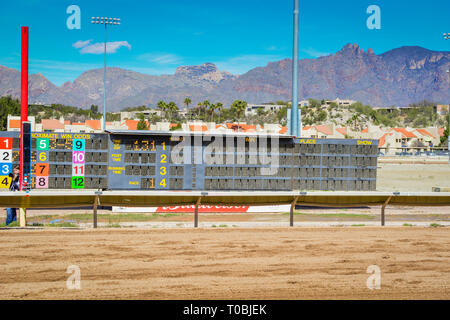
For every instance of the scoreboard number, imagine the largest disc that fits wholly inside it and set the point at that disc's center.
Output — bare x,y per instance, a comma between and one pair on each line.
42,144
78,170
42,169
6,143
41,182
78,157
5,182
77,182
42,156
79,144
5,155
5,168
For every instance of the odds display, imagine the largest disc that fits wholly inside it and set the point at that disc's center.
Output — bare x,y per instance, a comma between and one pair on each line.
191,161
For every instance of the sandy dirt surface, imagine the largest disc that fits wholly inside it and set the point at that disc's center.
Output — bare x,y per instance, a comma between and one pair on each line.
264,263
412,177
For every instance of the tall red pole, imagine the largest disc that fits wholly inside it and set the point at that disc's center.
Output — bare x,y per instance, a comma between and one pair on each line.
23,95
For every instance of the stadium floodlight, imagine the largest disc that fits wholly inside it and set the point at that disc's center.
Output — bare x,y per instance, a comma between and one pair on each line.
107,20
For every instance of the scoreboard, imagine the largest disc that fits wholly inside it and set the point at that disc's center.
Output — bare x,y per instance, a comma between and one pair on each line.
63,160
143,160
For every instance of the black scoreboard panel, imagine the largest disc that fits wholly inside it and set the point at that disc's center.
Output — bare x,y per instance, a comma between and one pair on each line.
236,162
188,161
65,160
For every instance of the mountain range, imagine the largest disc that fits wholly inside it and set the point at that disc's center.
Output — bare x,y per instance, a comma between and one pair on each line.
398,77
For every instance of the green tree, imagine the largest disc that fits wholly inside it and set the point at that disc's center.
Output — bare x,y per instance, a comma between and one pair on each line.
94,111
238,107
8,106
142,124
187,101
161,105
171,108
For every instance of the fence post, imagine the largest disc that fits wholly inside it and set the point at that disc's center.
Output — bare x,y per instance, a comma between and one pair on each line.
291,223
97,193
196,212
382,210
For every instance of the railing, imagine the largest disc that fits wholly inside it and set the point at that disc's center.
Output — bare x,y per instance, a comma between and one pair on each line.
63,198
414,151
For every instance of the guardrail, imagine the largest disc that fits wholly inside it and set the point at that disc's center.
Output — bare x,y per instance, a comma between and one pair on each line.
414,151
63,198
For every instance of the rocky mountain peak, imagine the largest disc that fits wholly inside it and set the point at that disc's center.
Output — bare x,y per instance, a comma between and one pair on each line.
207,71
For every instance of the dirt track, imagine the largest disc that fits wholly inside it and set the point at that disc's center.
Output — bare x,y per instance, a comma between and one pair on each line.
266,263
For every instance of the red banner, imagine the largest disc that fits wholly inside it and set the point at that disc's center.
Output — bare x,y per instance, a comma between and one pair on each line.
202,208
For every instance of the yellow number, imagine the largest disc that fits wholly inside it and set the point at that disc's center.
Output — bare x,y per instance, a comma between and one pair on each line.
163,183
136,145
152,183
164,145
42,157
144,145
153,146
163,158
52,144
163,171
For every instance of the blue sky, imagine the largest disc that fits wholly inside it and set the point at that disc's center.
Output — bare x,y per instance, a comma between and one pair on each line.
157,36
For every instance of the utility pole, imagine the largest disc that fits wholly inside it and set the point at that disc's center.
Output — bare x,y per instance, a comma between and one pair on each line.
447,37
295,116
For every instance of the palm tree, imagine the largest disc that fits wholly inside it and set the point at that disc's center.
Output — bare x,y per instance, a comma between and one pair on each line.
219,107
238,106
172,107
199,108
206,104
162,106
187,102
212,108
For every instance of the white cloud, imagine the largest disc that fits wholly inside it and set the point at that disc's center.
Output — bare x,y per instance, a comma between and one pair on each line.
99,48
80,44
161,58
314,53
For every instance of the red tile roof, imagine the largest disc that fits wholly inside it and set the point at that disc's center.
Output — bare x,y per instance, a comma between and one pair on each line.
51,124
283,130
306,127
94,124
342,131
425,133
441,132
366,130
324,129
198,127
382,140
131,124
405,133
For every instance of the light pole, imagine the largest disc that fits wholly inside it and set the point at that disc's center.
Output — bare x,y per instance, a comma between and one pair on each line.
105,21
447,37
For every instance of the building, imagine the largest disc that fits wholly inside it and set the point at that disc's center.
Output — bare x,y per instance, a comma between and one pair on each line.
13,123
252,109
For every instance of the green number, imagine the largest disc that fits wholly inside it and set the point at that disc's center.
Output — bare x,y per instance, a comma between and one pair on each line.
77,182
42,144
